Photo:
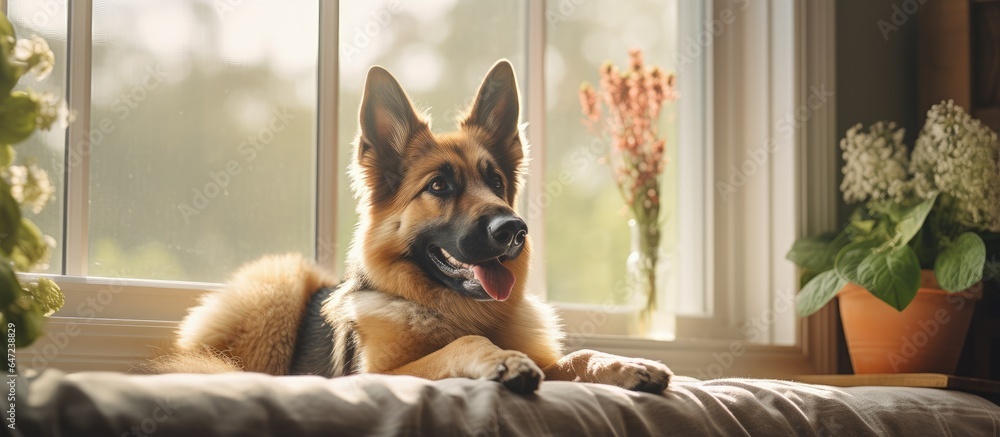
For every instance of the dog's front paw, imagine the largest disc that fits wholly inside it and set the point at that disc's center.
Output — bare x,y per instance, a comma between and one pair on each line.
515,371
631,373
644,375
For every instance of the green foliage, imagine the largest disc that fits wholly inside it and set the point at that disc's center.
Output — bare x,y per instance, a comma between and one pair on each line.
30,249
893,276
22,245
817,254
10,219
887,241
18,115
818,291
878,250
909,220
19,308
960,265
852,255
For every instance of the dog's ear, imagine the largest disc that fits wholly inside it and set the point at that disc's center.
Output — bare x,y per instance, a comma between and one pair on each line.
387,115
497,112
388,122
497,109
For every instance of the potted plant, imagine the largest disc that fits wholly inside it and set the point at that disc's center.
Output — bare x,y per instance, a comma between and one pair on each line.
23,247
908,267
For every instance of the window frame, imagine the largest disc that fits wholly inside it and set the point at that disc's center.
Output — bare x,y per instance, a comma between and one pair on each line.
136,313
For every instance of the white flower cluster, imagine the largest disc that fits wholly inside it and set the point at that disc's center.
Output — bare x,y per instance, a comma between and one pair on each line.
34,55
875,163
959,157
29,186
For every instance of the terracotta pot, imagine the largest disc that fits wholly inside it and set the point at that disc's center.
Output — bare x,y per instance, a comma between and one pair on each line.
926,337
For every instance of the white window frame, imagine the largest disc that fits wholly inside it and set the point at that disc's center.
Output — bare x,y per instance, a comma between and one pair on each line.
113,321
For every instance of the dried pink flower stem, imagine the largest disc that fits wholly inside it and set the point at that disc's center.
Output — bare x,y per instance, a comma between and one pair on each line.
633,98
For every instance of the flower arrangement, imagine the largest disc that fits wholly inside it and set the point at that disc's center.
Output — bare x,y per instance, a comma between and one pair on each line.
634,98
23,247
928,210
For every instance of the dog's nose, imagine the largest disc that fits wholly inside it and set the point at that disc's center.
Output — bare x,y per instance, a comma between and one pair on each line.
507,231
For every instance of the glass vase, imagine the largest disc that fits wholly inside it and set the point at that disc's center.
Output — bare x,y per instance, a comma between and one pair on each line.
645,270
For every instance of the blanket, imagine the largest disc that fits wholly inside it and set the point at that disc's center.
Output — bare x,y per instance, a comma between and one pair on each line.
249,404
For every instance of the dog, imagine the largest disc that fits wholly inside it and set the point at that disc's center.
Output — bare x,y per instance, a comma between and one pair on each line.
435,278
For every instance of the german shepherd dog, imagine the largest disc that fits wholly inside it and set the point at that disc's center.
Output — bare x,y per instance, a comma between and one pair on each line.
435,280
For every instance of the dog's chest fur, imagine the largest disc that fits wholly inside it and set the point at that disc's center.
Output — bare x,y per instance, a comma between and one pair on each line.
351,329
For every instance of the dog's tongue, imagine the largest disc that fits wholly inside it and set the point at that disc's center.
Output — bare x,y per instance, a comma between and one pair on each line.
496,279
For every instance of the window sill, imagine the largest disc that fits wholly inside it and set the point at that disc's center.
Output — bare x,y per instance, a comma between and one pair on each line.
100,344
109,323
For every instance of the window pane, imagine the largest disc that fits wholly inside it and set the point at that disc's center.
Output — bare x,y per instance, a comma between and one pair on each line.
438,50
46,19
587,234
203,131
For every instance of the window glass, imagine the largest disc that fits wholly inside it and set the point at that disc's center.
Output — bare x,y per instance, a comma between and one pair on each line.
203,135
586,223
46,149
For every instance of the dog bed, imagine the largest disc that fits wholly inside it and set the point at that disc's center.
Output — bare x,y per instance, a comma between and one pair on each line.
249,404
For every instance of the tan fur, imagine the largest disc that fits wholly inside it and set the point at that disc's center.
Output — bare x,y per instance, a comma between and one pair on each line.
257,315
197,360
389,316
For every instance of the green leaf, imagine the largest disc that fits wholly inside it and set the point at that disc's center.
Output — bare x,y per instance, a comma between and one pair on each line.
861,228
18,308
9,74
10,219
960,265
10,288
806,276
18,118
892,276
817,253
30,248
818,292
910,219
7,155
6,29
850,258
28,321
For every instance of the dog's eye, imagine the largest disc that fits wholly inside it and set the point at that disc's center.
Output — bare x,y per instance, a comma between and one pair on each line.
438,185
496,182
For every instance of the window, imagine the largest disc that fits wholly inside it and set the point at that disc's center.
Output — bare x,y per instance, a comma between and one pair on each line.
46,148
210,132
200,136
586,235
